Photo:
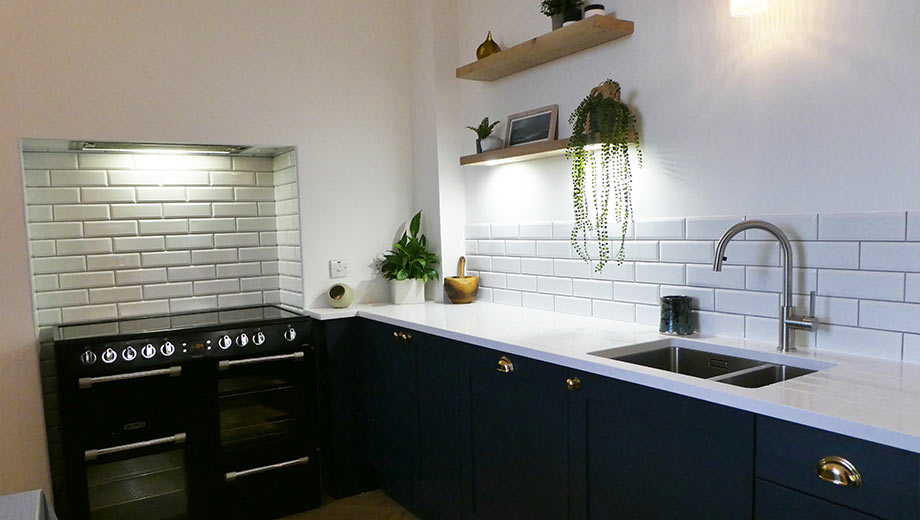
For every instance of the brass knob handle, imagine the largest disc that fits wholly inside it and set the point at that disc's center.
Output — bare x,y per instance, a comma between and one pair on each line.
573,383
505,365
838,471
405,336
395,334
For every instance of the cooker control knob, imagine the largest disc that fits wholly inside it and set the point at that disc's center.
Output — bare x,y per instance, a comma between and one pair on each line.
129,353
290,334
148,351
242,340
109,356
258,338
167,349
225,342
88,358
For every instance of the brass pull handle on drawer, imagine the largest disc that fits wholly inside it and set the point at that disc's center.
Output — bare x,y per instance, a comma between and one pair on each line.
505,365
838,471
573,383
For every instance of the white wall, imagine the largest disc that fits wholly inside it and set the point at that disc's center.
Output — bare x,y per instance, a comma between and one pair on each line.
810,107
331,80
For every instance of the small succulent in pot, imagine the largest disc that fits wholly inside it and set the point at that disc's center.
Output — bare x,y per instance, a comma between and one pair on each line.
485,142
562,10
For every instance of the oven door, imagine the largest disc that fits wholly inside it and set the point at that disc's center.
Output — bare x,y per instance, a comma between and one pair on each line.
145,479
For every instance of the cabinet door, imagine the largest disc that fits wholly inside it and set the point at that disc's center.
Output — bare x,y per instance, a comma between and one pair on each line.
654,455
519,437
390,369
774,501
443,426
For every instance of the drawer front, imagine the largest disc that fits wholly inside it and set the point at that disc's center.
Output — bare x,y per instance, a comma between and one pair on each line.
789,454
772,502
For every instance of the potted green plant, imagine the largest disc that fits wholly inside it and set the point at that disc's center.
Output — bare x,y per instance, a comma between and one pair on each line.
484,139
561,11
603,123
409,265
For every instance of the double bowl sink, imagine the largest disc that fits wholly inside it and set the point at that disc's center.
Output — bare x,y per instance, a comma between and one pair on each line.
714,362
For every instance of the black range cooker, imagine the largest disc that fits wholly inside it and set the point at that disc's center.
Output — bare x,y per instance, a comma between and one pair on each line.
202,415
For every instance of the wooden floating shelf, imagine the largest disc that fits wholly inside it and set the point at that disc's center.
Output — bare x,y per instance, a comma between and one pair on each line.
524,152
581,35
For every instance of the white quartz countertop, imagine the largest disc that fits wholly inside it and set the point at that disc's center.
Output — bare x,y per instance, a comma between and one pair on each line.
871,399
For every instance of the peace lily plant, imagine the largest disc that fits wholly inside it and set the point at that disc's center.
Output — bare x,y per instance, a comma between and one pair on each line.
409,265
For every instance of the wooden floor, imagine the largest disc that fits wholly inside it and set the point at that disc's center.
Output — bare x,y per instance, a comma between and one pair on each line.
374,505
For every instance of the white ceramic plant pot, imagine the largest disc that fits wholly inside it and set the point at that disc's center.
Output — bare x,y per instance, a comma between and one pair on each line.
407,291
492,143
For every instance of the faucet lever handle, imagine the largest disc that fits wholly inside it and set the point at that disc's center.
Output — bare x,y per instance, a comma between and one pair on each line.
811,304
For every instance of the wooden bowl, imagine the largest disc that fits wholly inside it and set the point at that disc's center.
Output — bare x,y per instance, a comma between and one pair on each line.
461,289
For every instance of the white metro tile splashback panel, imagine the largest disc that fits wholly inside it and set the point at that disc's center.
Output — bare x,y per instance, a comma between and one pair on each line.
864,267
122,235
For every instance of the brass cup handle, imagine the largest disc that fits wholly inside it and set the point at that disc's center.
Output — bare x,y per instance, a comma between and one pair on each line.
838,471
505,365
573,383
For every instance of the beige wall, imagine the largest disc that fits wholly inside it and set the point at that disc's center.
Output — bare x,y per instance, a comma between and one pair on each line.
331,80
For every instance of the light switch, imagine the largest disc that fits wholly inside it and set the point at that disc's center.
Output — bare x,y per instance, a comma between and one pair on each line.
338,268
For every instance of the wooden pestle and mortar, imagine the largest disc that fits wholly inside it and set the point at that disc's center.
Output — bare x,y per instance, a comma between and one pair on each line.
461,288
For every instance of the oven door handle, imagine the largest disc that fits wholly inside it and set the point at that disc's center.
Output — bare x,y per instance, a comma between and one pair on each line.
88,382
233,475
225,365
178,438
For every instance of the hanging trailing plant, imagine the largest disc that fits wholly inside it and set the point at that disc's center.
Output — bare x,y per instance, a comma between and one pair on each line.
603,121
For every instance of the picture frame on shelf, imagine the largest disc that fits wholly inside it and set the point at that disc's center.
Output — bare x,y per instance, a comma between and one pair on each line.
533,126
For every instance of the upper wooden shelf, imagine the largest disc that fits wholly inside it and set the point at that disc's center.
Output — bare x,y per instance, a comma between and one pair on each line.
524,152
579,36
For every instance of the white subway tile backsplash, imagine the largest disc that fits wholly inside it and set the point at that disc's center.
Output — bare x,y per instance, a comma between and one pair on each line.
492,247
687,251
61,299
53,195
160,227
863,342
830,255
89,313
665,228
660,273
139,244
612,310
702,299
198,303
83,246
496,280
236,209
216,286
37,178
890,256
893,316
504,297
796,227
58,264
145,308
709,228
55,230
260,164
635,292
117,261
537,266
912,291
505,264
911,348
164,258
233,179
183,274
478,231
522,282
116,294
239,300
913,225
236,240
134,211
255,224
718,324
740,252
648,315
883,225
563,230
252,254
80,212
261,283
45,161
40,213
247,269
599,289
771,279
106,161
572,268
569,305
110,228
471,247
211,162
547,249
254,194
164,194
167,290
183,209
521,248
46,282
638,251
212,225
49,317
43,248
730,277
215,256
543,302
210,194
505,231
536,230
861,284
78,178
748,302
625,272
189,241
549,285
479,263
140,276
104,195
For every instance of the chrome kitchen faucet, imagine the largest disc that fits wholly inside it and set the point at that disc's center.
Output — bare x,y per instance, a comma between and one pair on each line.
787,319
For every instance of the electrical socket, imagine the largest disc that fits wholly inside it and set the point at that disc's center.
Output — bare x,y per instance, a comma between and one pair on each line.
338,268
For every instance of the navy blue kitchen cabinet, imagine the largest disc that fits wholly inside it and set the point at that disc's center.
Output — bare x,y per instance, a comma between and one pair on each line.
650,454
519,418
777,502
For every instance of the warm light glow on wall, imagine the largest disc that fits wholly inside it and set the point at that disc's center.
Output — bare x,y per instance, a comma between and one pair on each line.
748,7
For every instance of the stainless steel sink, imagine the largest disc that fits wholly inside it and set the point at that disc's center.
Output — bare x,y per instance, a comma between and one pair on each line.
727,365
